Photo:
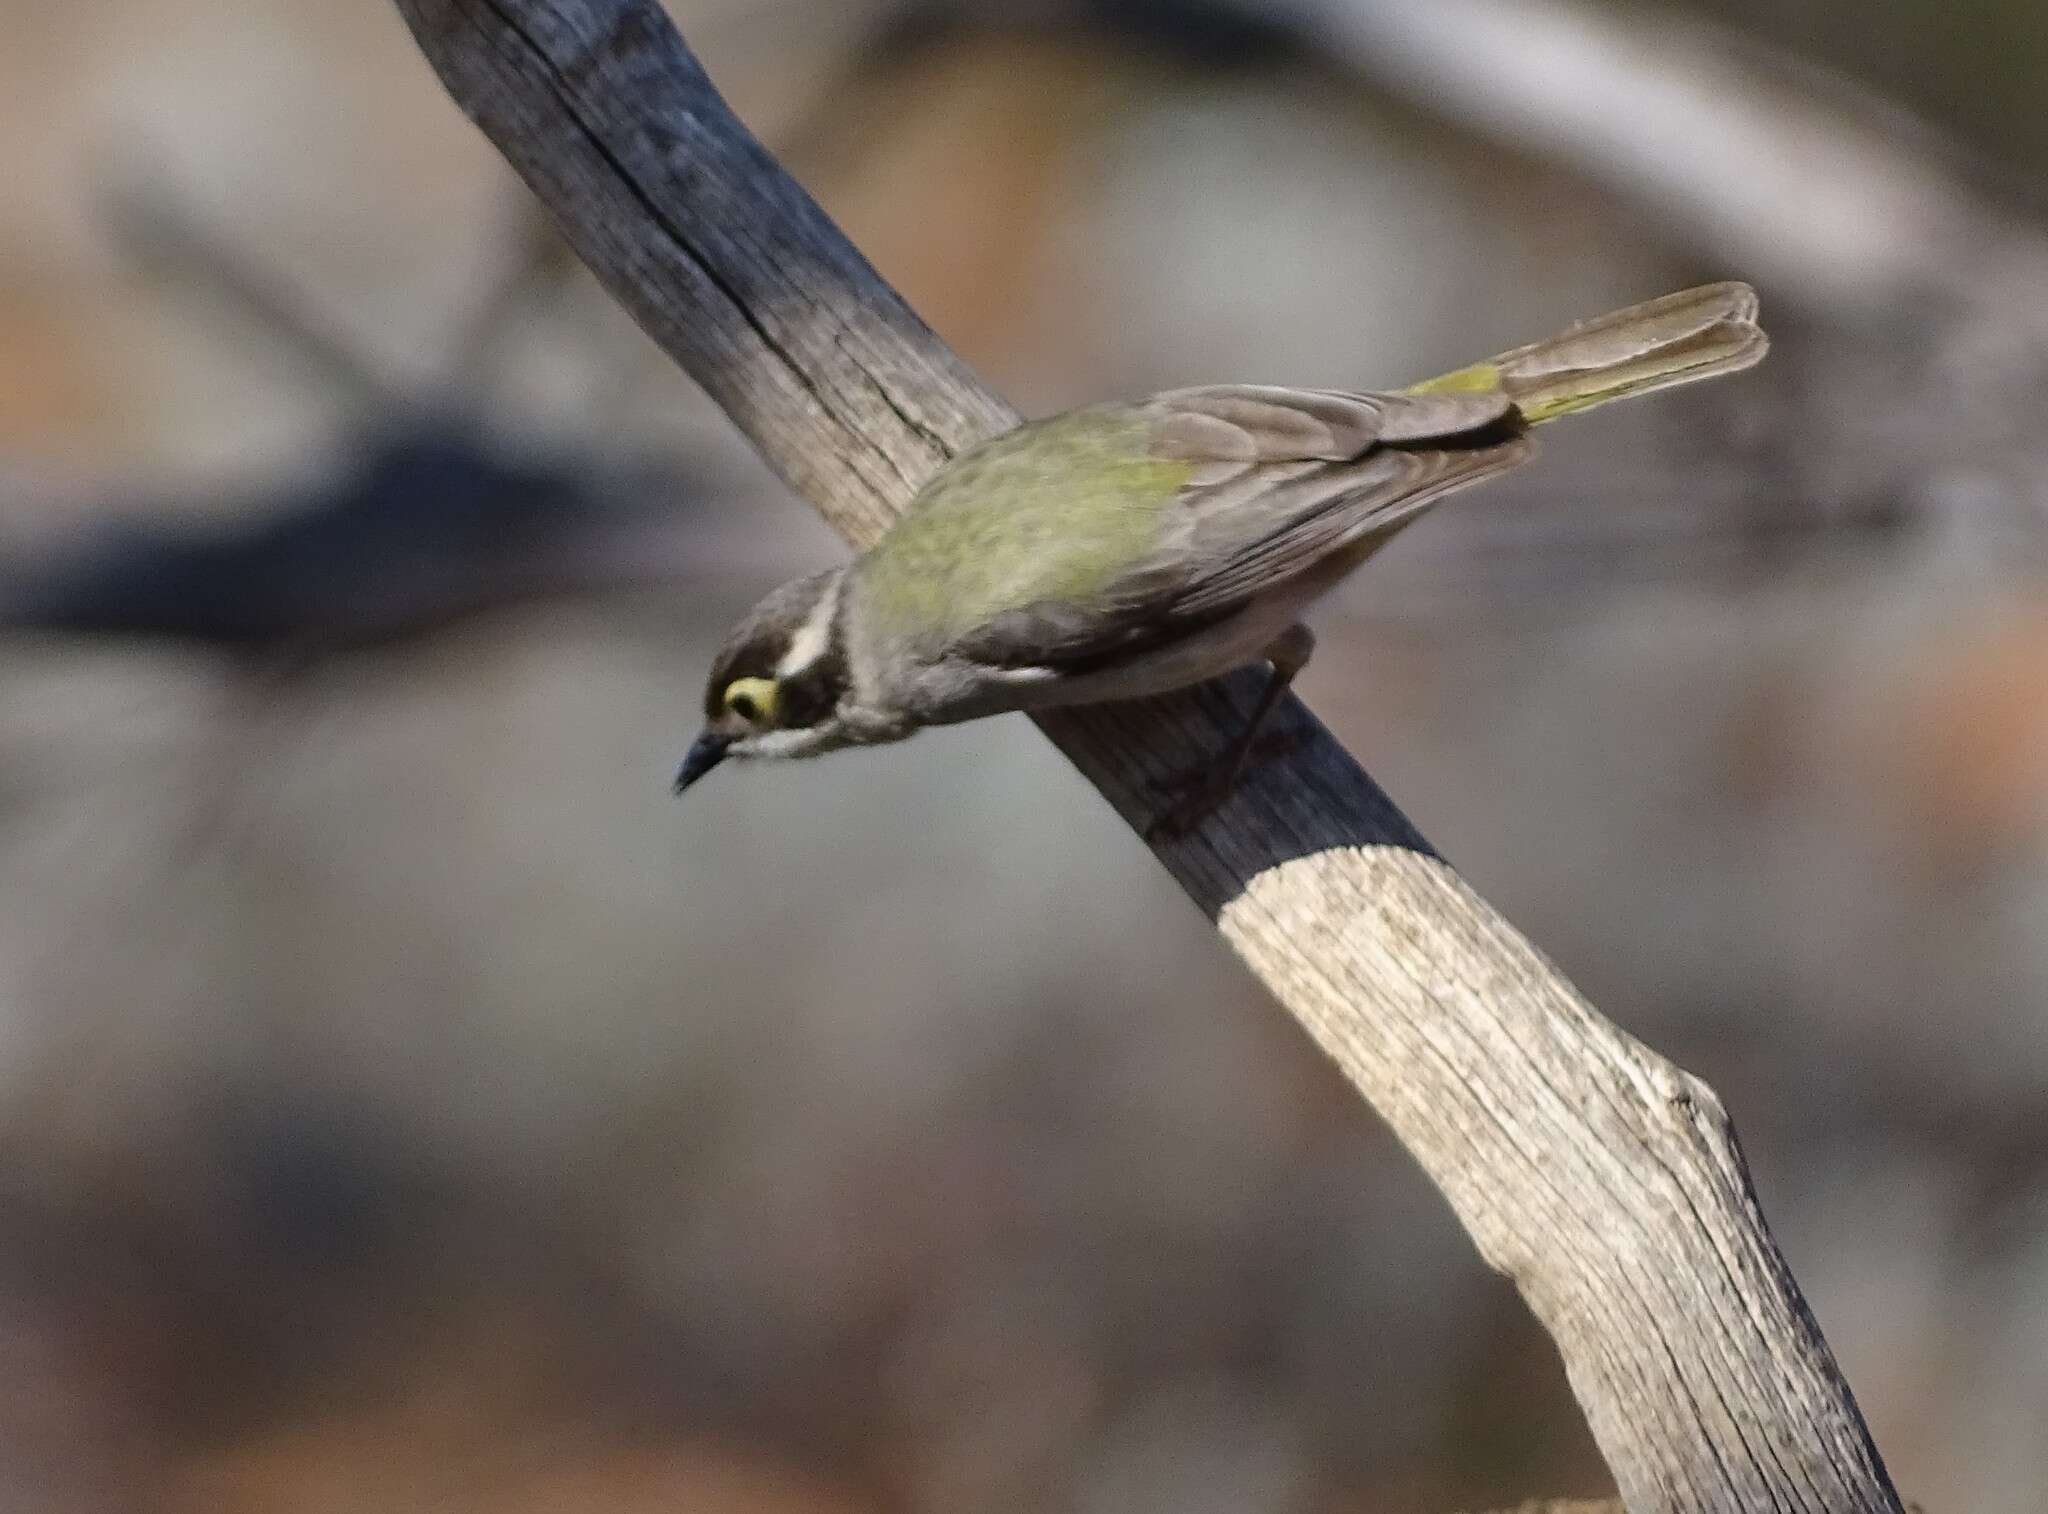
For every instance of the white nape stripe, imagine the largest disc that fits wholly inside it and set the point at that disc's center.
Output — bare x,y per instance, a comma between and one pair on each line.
813,636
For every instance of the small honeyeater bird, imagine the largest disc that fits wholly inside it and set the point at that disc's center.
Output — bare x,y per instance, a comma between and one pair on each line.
1123,550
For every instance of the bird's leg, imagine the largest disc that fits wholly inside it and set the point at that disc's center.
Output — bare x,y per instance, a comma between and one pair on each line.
1287,656
1199,793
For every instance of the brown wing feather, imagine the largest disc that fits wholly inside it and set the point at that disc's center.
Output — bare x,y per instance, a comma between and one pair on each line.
1283,478
1250,423
1373,498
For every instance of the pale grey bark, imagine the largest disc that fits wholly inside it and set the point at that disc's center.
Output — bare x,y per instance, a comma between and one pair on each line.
1604,1181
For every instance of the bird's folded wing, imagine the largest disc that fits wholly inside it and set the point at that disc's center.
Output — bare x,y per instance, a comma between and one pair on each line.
1282,478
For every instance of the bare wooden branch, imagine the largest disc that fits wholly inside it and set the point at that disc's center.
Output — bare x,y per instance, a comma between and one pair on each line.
1604,1181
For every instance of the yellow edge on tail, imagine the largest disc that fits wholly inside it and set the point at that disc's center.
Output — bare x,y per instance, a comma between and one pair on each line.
1678,339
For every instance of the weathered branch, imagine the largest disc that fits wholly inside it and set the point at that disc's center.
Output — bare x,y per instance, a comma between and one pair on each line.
1603,1180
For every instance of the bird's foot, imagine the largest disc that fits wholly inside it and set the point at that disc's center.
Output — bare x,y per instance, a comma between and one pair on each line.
1192,797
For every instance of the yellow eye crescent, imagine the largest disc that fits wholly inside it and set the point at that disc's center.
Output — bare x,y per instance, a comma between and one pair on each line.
752,699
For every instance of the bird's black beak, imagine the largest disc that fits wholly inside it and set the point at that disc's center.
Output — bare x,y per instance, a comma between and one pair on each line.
705,753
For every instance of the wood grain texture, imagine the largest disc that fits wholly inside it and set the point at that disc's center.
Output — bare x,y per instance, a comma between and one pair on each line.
1604,1181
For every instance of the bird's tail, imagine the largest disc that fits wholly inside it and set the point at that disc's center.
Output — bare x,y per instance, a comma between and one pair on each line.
1700,333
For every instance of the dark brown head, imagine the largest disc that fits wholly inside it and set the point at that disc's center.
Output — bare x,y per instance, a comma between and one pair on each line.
777,682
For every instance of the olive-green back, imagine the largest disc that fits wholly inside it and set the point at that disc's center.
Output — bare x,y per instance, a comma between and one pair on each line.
1056,510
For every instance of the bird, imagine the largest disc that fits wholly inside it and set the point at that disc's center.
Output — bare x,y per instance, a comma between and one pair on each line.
1122,550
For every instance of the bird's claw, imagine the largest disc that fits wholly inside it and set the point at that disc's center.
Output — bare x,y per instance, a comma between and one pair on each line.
1192,797
1200,796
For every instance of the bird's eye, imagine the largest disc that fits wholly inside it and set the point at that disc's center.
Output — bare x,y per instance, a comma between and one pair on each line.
752,699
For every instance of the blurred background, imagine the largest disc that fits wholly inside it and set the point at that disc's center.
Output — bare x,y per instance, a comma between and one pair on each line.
407,1107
